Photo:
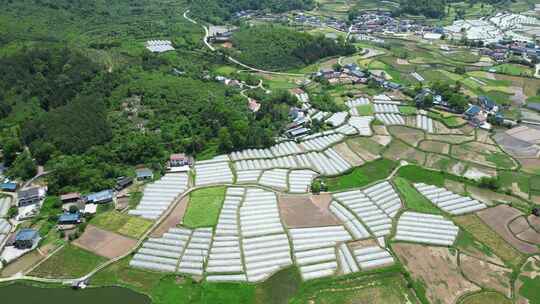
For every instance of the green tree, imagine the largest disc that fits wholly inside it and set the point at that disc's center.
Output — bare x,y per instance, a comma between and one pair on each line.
23,167
10,148
224,138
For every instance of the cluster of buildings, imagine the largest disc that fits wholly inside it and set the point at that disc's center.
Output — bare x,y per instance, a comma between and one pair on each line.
502,51
353,74
382,22
478,115
514,27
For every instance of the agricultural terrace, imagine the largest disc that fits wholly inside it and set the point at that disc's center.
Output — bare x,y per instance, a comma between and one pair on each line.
242,223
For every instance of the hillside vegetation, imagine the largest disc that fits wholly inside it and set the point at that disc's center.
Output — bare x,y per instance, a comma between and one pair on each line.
279,48
83,97
219,10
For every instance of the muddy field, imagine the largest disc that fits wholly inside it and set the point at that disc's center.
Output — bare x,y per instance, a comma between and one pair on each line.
452,139
498,219
299,211
174,218
409,135
435,146
486,274
369,149
346,152
104,243
438,269
454,186
400,151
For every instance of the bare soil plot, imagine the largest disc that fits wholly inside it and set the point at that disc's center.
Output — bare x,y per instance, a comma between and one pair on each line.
437,268
435,146
363,243
530,165
453,139
530,235
477,173
483,233
440,128
104,243
518,225
383,140
486,274
483,136
299,211
366,147
402,61
483,154
174,218
346,152
534,221
454,186
442,163
406,134
22,264
498,218
380,130
398,150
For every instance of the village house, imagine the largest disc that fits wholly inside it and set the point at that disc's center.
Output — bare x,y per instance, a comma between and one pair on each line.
144,174
101,197
69,220
26,239
123,182
30,196
8,187
69,198
488,105
180,160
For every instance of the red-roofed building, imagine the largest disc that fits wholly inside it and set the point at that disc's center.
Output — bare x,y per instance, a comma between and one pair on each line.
180,160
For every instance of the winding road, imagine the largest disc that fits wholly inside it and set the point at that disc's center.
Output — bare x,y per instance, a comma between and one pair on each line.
231,59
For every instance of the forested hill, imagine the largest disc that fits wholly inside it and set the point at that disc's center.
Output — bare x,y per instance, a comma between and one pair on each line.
219,10
279,48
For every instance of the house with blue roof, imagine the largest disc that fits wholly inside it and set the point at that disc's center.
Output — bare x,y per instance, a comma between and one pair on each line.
8,187
69,218
26,238
488,104
101,197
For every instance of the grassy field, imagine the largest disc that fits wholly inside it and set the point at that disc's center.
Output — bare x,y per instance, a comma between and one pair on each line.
69,262
362,176
513,69
204,206
171,289
384,288
417,174
365,110
132,226
486,297
407,110
413,199
480,231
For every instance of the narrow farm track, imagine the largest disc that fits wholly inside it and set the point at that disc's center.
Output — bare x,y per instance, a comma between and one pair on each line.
231,59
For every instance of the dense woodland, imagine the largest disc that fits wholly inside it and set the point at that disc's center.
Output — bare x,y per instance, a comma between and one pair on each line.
279,48
90,107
